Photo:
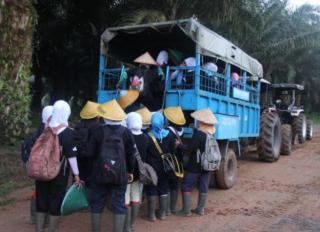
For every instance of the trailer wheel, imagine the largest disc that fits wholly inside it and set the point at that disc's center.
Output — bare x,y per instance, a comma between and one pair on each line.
309,130
269,142
227,173
286,142
300,127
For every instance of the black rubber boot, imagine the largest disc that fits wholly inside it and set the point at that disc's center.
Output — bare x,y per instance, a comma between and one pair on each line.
173,201
186,208
96,222
134,214
118,222
151,216
53,223
32,211
127,224
163,207
40,221
168,211
201,203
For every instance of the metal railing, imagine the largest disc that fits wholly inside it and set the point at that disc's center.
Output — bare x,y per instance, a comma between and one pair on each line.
213,82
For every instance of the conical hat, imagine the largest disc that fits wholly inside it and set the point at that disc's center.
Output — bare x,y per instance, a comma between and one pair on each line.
89,110
175,115
205,115
111,110
145,115
146,58
127,99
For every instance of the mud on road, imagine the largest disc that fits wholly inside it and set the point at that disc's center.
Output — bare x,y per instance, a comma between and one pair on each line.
281,196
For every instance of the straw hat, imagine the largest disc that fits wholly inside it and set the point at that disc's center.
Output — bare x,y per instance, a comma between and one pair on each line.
146,58
111,110
127,99
205,115
145,115
89,110
175,115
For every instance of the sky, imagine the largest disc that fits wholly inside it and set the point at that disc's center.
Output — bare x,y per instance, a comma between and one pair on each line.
297,3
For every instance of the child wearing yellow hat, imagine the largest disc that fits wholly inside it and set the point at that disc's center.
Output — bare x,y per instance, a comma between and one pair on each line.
176,120
195,175
88,123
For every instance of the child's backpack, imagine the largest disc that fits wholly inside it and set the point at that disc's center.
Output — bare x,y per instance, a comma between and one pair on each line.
172,167
147,175
211,157
111,160
44,161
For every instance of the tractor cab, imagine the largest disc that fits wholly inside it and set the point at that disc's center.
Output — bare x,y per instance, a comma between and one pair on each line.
287,98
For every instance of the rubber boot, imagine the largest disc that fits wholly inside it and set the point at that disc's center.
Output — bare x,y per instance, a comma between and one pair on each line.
151,216
201,203
32,211
127,223
118,222
53,223
40,221
96,222
134,214
186,208
173,202
163,207
168,211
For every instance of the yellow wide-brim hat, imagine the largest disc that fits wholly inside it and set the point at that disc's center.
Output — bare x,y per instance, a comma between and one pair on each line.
206,116
145,115
128,98
89,110
146,58
111,110
175,115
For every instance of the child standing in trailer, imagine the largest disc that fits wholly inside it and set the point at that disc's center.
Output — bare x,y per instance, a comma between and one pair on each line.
195,174
176,120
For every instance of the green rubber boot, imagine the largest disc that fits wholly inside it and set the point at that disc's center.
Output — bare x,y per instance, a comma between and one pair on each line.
40,221
186,208
134,214
168,211
118,222
53,223
201,203
173,201
96,222
127,223
151,216
163,207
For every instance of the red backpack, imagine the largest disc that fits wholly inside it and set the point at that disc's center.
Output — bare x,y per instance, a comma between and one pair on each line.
44,161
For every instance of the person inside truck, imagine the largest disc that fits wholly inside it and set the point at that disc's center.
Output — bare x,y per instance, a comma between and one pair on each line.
183,77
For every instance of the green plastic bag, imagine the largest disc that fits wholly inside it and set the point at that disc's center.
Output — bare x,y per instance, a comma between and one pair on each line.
75,200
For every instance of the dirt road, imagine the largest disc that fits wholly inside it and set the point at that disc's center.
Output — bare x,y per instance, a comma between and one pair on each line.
281,196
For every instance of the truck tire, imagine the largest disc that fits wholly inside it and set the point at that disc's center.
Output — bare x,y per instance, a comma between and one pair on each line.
300,127
286,140
309,130
227,173
269,142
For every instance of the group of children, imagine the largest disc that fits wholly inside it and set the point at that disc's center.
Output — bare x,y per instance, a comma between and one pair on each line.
143,131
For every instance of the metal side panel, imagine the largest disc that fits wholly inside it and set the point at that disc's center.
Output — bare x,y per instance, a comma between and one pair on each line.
228,127
104,96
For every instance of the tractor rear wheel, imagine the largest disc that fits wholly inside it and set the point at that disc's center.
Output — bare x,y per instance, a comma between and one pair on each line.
286,140
309,130
227,172
269,142
300,127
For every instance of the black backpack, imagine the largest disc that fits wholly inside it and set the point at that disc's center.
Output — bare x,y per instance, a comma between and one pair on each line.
111,160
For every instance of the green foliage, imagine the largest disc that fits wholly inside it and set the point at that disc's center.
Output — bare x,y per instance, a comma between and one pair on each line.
16,30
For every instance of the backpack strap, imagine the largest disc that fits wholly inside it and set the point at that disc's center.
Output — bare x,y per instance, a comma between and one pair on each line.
157,145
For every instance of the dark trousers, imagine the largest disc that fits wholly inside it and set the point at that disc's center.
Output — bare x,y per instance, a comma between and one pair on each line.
174,184
161,189
192,179
99,194
49,197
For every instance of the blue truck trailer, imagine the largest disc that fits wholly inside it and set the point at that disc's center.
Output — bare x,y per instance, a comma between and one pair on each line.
236,103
